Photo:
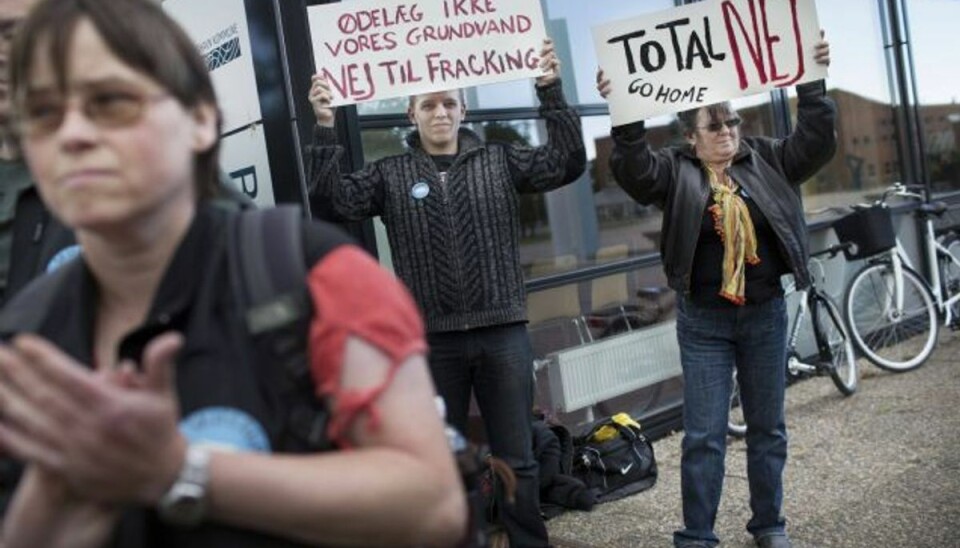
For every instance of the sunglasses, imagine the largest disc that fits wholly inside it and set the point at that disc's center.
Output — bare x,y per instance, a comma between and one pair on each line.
108,107
717,126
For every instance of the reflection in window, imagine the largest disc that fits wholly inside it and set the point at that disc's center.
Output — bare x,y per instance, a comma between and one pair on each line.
583,312
576,19
858,85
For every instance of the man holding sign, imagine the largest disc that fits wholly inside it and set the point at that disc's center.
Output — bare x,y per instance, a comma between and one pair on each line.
733,223
450,207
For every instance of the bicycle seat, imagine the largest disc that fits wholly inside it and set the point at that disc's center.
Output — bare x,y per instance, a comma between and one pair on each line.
934,208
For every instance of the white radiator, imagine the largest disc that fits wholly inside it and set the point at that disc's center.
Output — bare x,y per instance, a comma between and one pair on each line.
607,368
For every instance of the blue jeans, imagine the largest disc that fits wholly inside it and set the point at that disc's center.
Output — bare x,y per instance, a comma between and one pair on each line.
497,364
713,341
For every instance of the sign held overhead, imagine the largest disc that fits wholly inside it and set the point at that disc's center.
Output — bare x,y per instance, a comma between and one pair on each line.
705,53
375,49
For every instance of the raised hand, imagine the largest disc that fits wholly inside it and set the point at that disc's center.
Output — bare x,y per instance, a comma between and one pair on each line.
550,63
603,84
320,98
821,51
109,441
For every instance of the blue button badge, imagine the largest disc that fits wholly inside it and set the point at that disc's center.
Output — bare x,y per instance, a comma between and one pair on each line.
420,190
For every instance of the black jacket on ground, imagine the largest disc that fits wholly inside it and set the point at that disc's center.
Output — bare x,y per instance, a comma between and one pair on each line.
454,244
770,170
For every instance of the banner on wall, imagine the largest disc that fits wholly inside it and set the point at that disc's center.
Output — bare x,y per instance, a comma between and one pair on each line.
705,53
219,29
378,49
243,158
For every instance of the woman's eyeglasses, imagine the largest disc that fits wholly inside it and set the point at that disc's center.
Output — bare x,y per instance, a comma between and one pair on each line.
717,126
107,108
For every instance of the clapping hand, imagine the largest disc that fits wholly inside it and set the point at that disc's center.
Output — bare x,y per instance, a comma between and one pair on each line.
111,436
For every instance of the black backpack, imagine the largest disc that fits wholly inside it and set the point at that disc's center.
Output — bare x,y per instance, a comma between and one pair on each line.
266,259
278,309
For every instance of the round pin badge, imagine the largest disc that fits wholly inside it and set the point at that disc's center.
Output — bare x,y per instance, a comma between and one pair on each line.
227,428
420,190
62,257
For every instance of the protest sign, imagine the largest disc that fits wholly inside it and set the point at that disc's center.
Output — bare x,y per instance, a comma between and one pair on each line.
377,49
705,53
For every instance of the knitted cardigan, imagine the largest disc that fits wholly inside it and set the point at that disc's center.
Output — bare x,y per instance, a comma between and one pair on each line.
454,244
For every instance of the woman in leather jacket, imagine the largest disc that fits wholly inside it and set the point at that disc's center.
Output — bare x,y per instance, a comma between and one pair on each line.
732,225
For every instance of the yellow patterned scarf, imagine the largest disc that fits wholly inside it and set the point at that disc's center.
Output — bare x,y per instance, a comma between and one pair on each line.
732,221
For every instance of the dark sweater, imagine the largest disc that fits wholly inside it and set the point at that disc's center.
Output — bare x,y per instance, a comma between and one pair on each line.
456,246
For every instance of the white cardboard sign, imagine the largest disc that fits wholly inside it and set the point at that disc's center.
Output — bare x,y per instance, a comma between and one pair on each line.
705,53
377,49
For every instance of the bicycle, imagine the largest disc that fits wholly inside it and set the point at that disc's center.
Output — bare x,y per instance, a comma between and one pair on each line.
891,310
835,354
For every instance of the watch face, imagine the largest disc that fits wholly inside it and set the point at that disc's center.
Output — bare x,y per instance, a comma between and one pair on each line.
185,505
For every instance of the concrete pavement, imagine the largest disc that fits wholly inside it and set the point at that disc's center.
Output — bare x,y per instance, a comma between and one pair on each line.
878,469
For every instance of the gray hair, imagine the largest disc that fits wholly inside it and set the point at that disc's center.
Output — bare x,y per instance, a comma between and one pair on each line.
718,112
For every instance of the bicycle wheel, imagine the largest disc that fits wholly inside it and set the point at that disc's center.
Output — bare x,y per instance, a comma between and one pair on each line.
834,341
736,424
893,340
950,274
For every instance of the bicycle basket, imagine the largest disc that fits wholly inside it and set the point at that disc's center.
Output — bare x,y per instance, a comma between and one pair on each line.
870,230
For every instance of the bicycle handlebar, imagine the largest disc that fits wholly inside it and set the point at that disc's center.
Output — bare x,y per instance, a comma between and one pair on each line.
832,251
902,190
913,192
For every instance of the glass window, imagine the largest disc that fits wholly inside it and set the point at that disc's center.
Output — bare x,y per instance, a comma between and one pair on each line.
858,85
932,28
575,315
580,312
576,20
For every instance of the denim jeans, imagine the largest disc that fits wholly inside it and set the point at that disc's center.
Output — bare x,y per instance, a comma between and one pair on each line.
497,364
713,341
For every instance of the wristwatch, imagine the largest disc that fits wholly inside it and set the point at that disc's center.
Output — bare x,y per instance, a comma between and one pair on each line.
185,503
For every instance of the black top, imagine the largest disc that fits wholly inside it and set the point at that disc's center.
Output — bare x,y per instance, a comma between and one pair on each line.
763,280
443,161
225,391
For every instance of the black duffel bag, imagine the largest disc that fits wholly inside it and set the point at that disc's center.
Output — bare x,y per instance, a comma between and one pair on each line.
615,459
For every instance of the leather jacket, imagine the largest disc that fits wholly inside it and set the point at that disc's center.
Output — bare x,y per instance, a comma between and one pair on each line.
769,170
